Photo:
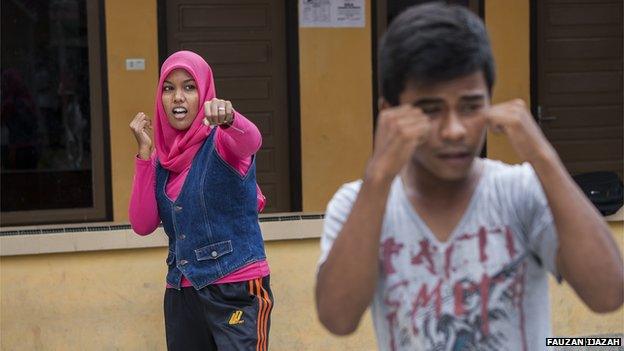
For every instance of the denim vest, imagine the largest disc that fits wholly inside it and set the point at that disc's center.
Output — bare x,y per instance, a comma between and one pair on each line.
213,225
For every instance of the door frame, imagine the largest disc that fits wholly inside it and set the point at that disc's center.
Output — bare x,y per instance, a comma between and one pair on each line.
533,76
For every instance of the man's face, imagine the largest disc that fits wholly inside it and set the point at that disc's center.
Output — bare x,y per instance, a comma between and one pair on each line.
455,109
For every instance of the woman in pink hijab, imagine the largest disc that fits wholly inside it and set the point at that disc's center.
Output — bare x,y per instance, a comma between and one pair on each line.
198,179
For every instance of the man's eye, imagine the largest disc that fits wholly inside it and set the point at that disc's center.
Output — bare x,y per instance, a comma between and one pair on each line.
167,88
431,110
470,108
190,87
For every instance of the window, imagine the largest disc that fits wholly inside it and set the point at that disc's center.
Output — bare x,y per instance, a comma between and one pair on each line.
52,112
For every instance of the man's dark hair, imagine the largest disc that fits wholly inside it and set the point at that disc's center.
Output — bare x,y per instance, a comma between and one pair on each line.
433,43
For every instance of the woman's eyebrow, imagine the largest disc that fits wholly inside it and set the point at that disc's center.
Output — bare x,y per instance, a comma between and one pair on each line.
186,81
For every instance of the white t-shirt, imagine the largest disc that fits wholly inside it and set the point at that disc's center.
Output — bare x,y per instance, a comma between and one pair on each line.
485,288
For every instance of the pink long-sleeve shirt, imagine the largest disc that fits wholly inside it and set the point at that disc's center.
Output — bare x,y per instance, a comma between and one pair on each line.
235,145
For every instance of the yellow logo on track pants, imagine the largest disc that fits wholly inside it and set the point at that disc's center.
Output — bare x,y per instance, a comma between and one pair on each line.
236,318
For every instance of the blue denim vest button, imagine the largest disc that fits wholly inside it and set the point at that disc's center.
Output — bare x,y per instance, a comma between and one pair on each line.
183,262
181,236
177,208
214,254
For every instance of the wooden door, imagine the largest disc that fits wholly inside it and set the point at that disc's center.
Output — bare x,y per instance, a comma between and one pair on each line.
244,42
579,81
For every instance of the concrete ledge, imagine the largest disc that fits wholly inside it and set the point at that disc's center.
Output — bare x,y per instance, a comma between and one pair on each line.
58,238
292,226
616,217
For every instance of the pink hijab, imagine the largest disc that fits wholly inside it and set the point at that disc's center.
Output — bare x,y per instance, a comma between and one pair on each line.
177,148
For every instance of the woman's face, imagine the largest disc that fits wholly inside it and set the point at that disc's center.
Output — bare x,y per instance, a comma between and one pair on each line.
180,99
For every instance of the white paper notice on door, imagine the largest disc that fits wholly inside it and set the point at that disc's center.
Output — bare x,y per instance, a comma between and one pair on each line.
331,13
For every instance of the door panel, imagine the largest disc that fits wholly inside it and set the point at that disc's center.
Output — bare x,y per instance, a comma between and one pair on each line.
579,82
245,44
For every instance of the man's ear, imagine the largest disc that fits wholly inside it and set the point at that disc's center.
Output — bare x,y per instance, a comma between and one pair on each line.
382,103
